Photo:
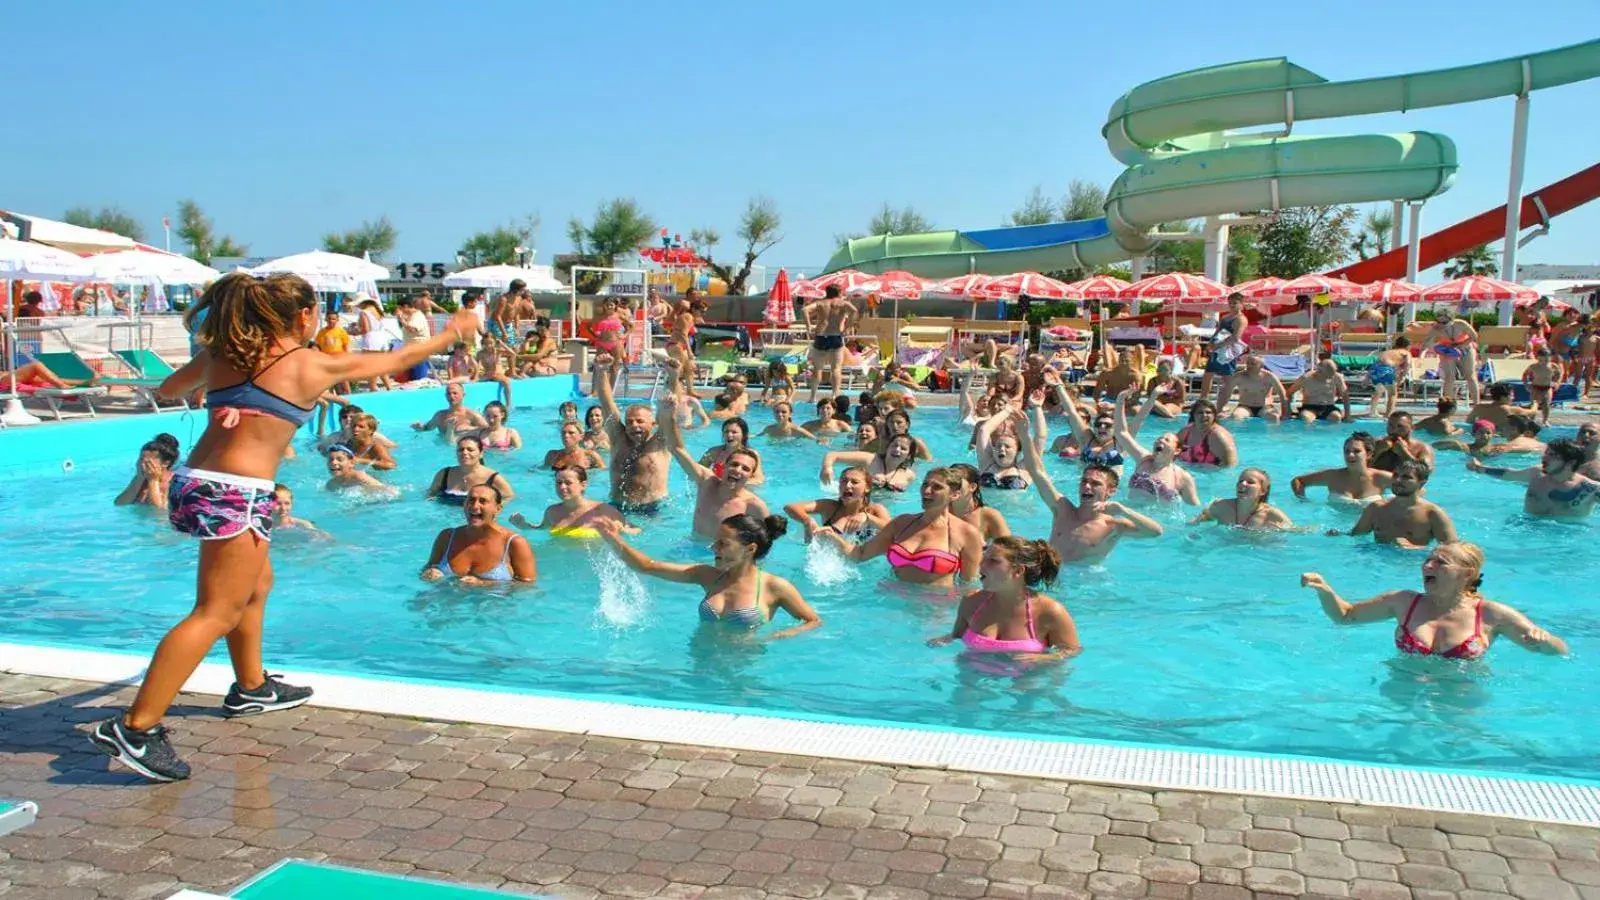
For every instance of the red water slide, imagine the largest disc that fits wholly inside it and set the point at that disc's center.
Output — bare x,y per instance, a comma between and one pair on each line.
1568,193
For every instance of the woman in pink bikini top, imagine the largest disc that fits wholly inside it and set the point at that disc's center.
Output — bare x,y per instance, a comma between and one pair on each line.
1008,615
1448,618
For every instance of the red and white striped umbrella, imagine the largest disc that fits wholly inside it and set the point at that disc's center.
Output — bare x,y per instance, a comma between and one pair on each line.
1476,289
1337,289
1181,290
1392,291
1100,287
1030,284
894,285
1552,303
1259,288
780,300
962,287
815,288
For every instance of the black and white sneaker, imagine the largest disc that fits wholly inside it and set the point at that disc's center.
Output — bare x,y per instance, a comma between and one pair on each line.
147,752
271,695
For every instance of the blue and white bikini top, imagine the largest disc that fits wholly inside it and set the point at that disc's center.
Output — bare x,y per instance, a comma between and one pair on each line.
501,572
252,399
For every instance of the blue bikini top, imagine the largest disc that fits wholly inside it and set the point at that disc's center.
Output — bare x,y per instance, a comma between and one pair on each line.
247,395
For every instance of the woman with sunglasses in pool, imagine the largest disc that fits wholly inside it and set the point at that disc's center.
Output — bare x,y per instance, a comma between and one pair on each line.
1008,615
1156,473
932,547
260,388
574,514
483,551
893,468
1448,618
738,595
1096,444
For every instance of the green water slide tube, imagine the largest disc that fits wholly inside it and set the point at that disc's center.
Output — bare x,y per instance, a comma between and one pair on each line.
1174,135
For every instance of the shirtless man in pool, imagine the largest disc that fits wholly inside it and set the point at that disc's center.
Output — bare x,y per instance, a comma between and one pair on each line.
1405,520
1322,390
1255,386
1088,530
640,455
829,319
1556,490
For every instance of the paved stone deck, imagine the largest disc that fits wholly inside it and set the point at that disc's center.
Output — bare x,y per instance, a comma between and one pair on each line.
572,816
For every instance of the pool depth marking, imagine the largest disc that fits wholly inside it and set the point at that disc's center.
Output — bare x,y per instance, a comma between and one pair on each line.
1300,778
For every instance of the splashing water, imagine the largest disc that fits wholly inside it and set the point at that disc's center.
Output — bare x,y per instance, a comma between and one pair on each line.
826,565
623,598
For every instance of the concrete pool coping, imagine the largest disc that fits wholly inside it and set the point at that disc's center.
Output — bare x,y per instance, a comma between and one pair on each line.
1568,802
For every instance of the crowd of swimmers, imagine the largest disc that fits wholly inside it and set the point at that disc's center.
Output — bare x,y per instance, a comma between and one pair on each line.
262,383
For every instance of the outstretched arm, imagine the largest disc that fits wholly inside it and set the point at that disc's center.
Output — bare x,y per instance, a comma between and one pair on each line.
1522,475
1034,465
786,596
1125,439
611,530
1518,627
1299,483
1342,612
667,421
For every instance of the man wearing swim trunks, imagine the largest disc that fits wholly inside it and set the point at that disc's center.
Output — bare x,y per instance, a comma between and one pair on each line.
1456,344
1556,489
639,451
1256,386
1405,520
1322,391
829,320
1227,345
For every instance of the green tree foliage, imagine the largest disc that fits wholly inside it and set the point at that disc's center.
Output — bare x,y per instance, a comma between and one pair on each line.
619,226
1244,254
498,246
1376,229
109,218
1036,210
375,238
1084,200
1306,239
758,228
195,228
1477,261
889,220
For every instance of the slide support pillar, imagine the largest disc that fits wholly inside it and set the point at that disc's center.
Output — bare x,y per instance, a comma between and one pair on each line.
1216,249
1136,267
1519,154
1414,255
1397,221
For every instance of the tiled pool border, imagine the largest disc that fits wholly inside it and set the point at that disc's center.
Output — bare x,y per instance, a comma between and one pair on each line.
1155,767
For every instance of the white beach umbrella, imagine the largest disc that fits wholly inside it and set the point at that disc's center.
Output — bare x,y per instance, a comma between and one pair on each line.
144,267
325,271
500,278
28,261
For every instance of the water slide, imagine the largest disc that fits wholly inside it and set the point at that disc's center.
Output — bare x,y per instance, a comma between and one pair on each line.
1537,208
1173,134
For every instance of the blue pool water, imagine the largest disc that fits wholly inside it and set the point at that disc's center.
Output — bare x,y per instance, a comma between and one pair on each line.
1202,639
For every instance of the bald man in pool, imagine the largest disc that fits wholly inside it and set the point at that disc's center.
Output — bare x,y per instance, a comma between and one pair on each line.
640,455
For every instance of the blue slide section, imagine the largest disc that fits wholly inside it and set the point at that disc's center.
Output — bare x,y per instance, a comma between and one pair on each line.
1024,236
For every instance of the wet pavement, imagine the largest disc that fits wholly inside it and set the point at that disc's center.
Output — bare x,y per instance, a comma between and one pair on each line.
567,815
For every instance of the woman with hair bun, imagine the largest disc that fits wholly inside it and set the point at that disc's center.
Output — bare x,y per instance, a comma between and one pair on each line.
1448,618
737,593
1008,615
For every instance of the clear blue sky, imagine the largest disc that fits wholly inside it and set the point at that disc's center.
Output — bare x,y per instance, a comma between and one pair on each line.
286,120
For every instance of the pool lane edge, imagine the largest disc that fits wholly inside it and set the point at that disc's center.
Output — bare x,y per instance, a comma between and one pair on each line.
1123,765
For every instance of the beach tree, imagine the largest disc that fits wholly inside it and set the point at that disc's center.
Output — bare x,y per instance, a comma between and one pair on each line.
1036,210
1374,233
1084,200
108,218
619,226
1306,239
758,229
1477,261
500,245
375,237
196,229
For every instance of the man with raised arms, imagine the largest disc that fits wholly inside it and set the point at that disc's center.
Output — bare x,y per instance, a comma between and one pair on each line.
639,451
1088,530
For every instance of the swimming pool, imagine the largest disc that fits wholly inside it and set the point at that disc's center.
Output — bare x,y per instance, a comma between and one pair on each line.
1201,639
